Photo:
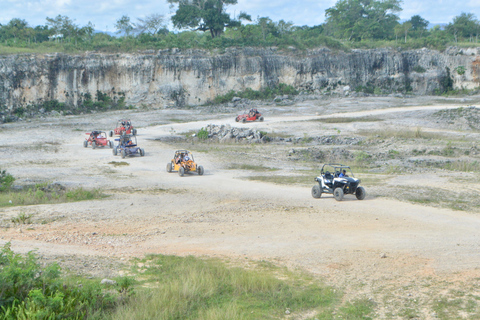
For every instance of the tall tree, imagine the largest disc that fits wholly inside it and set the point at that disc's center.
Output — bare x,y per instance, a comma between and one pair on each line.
63,26
205,15
123,25
362,19
152,24
465,25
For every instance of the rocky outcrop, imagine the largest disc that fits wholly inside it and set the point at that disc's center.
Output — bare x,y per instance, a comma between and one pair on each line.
192,77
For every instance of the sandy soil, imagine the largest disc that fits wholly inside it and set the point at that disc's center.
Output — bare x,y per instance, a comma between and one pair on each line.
367,248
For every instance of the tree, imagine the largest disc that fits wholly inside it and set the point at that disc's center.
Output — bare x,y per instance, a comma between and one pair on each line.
362,19
123,25
465,25
418,23
63,26
151,24
205,15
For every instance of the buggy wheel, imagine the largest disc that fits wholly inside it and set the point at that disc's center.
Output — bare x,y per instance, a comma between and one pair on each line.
142,152
244,120
110,133
316,191
94,145
123,153
181,171
360,193
200,170
261,118
85,143
134,132
236,119
338,194
169,167
110,144
114,151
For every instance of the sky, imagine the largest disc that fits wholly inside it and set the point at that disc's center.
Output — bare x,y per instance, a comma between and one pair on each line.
104,13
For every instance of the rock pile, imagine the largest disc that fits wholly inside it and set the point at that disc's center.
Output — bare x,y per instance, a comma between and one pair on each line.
225,133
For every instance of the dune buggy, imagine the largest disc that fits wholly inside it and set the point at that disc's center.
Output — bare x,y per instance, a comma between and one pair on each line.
123,127
251,115
97,138
337,179
183,162
127,146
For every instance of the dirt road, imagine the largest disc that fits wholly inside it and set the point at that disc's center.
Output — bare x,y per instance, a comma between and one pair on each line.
357,245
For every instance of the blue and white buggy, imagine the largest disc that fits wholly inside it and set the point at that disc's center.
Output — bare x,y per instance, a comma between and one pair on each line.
127,146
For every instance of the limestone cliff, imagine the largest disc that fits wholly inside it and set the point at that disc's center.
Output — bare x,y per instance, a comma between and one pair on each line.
193,77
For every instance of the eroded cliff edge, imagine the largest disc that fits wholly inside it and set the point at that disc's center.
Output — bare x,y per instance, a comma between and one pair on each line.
191,77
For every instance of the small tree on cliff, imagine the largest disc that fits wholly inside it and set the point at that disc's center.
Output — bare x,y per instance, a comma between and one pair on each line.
205,15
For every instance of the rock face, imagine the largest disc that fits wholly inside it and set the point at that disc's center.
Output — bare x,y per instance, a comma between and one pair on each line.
174,77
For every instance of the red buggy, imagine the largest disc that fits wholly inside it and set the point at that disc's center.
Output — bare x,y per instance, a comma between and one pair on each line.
123,127
97,138
252,115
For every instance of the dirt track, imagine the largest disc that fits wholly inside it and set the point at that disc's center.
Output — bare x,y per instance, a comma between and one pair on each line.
360,246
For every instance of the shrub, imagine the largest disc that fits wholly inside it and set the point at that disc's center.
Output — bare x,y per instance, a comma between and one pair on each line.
6,180
202,134
28,291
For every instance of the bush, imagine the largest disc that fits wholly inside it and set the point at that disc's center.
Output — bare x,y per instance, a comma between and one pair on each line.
202,134
6,180
28,291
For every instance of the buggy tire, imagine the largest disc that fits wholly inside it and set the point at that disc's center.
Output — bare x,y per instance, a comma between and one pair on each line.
200,170
169,167
110,144
134,132
236,119
85,143
244,120
316,191
360,193
110,133
94,145
123,153
115,151
181,171
142,152
338,194
261,118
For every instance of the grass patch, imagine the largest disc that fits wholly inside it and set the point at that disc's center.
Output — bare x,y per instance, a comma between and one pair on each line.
250,167
435,197
348,119
40,194
31,291
119,163
192,288
300,179
387,133
22,218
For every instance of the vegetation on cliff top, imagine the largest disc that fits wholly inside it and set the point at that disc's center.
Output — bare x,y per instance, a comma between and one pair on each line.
349,24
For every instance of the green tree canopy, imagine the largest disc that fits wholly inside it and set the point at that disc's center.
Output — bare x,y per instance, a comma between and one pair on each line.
362,19
205,15
123,25
418,23
465,25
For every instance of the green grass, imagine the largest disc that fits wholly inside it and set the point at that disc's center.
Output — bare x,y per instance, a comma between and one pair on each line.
250,167
119,163
387,133
347,119
193,288
36,195
300,179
